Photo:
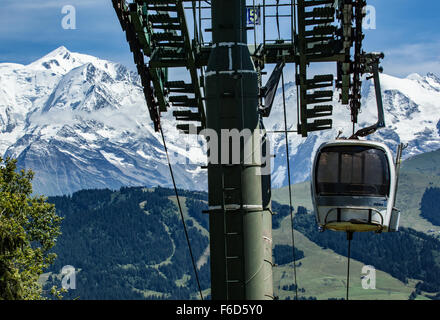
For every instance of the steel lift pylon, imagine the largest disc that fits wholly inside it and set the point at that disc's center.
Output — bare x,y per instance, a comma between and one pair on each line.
224,91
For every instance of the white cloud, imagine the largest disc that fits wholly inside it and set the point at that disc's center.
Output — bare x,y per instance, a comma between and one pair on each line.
413,58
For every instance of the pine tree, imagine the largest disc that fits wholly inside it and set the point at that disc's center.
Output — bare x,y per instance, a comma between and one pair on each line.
29,227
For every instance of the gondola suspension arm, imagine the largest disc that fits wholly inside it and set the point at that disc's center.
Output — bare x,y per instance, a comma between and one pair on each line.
371,65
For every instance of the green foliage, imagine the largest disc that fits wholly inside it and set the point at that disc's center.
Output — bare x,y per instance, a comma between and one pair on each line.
430,204
283,254
29,227
280,212
195,209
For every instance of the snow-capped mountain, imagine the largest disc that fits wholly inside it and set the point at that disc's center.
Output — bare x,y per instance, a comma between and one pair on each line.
82,122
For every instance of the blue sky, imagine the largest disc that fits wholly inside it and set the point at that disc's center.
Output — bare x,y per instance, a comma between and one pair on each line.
405,30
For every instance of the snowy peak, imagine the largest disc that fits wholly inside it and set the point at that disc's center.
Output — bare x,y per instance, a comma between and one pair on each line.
430,81
58,61
433,81
82,122
60,51
398,105
61,61
433,76
84,88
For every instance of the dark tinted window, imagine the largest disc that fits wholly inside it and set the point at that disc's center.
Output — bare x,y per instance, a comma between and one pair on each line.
352,170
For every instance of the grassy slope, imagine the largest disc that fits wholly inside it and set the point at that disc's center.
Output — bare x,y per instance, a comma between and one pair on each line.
322,273
417,174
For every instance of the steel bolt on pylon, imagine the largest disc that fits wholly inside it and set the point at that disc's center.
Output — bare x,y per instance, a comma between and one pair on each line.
240,217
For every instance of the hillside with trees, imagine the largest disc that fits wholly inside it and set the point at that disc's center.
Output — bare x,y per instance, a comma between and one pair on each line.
130,244
127,244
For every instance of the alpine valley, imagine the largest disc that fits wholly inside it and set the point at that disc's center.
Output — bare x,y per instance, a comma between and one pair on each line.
80,122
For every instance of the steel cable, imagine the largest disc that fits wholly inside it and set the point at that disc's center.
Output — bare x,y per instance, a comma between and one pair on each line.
181,213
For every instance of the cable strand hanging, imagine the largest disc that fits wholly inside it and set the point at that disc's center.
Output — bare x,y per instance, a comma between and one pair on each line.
181,213
278,19
349,238
290,188
288,163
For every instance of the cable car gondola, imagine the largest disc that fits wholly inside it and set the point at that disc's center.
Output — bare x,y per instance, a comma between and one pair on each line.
354,182
354,186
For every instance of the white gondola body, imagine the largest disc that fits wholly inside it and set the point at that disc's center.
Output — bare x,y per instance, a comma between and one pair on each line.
355,206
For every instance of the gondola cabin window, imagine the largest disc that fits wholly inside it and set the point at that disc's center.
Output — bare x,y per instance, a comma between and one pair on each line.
353,171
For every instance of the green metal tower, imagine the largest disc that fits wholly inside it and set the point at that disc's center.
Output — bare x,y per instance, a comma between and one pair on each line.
239,213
